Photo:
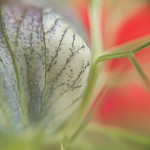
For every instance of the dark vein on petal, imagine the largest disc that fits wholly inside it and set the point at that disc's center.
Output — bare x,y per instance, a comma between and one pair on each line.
2,24
31,101
44,63
58,48
74,38
67,62
79,75
14,65
55,23
17,37
59,74
14,62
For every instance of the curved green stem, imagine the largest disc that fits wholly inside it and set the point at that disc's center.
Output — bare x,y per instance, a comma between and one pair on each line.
82,122
123,54
96,45
112,55
140,70
97,49
93,75
95,20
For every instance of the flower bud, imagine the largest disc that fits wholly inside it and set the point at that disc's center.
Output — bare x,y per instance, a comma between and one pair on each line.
44,66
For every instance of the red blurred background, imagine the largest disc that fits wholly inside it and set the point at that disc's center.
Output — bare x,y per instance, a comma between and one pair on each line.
127,103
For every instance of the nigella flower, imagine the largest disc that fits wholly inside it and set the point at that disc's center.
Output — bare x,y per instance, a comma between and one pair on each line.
44,65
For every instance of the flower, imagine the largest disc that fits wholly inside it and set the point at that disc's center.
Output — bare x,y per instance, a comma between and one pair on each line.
44,66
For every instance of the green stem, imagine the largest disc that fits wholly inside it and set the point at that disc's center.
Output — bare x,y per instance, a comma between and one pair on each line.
139,70
134,45
96,45
122,54
85,104
112,55
94,74
89,116
141,47
95,20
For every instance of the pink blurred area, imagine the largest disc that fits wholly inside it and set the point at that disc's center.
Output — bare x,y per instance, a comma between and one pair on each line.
135,26
126,105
